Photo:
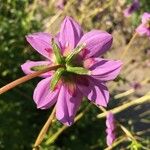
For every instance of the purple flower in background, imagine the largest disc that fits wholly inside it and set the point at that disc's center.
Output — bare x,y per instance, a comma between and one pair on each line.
83,72
132,8
135,85
110,124
60,4
144,27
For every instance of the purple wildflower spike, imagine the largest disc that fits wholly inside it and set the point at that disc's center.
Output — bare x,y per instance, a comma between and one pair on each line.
83,72
110,124
144,27
132,8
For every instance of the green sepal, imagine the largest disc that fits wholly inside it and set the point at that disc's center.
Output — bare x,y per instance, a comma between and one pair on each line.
56,78
39,68
78,70
74,52
57,52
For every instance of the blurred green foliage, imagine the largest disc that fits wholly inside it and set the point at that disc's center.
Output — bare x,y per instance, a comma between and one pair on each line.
15,23
17,113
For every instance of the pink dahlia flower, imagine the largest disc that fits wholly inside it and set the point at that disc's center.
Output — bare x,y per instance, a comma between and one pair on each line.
144,27
132,8
83,72
110,124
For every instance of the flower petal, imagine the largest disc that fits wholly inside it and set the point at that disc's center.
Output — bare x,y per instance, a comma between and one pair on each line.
97,42
96,92
43,96
67,105
105,70
110,138
110,121
132,8
142,30
41,42
26,67
70,33
145,17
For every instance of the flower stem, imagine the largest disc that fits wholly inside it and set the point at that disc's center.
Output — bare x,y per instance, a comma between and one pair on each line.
118,109
116,143
44,129
26,78
128,46
63,128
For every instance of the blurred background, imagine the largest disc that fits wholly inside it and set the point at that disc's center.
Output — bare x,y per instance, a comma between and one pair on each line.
20,121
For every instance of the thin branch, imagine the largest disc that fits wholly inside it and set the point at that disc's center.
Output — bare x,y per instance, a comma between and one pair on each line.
126,105
128,45
26,78
63,128
44,129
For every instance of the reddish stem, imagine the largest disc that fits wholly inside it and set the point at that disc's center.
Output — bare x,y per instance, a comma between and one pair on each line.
26,78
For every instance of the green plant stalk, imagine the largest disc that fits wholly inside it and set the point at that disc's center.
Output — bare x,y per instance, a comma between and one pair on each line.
44,129
125,106
62,129
127,93
128,45
26,78
116,143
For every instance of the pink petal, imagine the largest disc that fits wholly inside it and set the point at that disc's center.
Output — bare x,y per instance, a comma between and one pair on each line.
110,124
145,17
67,105
110,139
127,13
26,67
132,8
60,4
96,92
105,70
110,121
70,33
97,42
41,42
142,30
43,96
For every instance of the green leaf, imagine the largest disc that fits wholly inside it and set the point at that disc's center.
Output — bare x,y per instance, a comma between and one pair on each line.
56,78
57,52
78,70
38,68
74,52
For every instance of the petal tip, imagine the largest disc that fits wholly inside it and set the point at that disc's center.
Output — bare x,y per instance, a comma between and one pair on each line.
68,18
109,37
120,62
104,104
67,122
29,37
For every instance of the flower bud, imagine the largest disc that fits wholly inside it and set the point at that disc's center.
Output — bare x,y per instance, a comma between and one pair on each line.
110,124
